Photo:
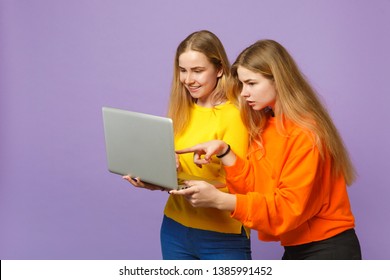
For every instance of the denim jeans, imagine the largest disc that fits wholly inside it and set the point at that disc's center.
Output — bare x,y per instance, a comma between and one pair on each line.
179,242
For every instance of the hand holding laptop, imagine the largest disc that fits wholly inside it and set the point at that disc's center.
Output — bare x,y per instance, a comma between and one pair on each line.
136,182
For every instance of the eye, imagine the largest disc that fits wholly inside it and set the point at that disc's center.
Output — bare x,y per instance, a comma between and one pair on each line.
198,70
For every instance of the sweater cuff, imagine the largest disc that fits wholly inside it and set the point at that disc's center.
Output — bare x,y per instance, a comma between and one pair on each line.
239,212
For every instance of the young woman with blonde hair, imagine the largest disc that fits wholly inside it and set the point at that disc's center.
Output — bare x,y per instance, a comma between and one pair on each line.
200,111
292,186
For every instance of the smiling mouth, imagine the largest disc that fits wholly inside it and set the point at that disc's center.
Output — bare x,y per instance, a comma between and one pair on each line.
193,89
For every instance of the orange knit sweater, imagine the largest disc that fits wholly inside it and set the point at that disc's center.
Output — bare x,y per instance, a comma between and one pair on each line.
284,190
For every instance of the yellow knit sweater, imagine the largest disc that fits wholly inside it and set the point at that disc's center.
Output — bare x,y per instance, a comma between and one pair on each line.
221,122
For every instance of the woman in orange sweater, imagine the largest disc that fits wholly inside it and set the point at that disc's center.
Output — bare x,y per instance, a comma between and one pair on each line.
292,186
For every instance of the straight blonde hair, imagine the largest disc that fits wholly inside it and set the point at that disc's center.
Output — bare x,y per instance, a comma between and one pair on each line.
180,101
296,101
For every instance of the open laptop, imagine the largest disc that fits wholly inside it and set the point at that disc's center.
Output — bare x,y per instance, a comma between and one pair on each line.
142,145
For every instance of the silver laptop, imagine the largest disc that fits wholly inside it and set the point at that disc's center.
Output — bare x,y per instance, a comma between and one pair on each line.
142,145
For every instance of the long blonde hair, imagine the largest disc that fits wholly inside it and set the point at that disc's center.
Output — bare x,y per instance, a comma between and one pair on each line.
180,101
296,101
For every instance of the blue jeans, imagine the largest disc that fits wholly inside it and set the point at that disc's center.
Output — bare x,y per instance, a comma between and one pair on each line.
179,242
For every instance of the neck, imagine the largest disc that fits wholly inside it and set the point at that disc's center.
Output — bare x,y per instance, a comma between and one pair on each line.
269,111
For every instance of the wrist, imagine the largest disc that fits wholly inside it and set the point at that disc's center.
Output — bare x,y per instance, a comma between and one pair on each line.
226,151
226,202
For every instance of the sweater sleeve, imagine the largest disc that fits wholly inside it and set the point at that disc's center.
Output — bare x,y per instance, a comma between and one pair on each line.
240,177
281,204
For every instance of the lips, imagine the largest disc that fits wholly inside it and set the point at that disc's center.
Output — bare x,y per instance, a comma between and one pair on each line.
193,89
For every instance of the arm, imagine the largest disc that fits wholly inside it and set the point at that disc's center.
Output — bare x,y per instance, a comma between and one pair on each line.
282,205
238,176
241,177
204,151
296,199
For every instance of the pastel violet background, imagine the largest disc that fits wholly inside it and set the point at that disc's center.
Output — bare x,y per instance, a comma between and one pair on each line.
61,61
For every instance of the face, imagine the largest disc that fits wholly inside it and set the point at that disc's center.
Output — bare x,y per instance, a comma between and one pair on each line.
198,75
258,91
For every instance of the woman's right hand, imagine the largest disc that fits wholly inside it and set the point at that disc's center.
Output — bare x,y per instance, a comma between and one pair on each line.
204,151
136,182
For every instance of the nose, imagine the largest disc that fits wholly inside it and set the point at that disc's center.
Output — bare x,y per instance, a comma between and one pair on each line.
244,92
188,79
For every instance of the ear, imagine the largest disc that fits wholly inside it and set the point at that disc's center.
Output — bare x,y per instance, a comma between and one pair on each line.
220,73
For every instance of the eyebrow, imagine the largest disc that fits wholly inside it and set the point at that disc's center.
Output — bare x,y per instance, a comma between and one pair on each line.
248,81
193,68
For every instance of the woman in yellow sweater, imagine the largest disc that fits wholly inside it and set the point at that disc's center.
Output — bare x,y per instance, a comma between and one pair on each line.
291,187
200,111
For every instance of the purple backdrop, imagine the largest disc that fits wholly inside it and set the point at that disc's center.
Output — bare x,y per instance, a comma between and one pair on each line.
61,61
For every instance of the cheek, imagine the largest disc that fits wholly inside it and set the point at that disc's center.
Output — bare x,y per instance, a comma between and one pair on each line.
261,95
273,94
210,79
182,78
267,93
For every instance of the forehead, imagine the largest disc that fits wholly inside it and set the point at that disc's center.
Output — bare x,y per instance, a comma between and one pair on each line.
246,74
190,59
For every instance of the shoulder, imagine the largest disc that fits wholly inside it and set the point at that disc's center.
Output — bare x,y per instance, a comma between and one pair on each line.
297,134
227,109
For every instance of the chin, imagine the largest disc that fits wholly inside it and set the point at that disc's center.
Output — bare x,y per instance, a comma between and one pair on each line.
256,108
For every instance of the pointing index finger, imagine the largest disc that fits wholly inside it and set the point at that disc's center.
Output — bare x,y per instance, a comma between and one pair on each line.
186,150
